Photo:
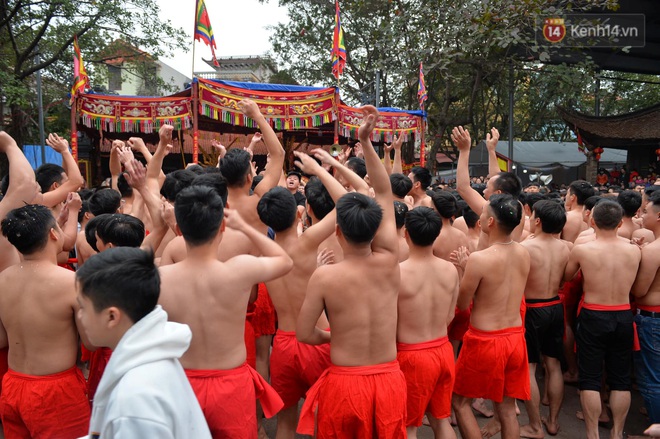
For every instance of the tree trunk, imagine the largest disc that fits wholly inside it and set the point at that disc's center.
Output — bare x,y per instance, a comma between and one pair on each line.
592,167
432,152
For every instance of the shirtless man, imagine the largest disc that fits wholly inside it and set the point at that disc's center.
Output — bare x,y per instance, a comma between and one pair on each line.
630,202
359,295
400,212
496,327
544,318
421,178
605,323
644,235
429,289
211,297
320,204
588,234
296,366
450,238
578,191
401,187
646,290
38,313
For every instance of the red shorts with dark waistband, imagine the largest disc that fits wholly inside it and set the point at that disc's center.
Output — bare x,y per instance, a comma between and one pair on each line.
357,402
429,371
493,364
228,400
49,407
295,366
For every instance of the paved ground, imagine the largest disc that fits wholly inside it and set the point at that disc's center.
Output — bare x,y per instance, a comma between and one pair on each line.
570,426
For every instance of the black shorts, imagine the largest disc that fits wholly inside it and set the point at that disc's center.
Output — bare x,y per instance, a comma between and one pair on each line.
604,336
544,330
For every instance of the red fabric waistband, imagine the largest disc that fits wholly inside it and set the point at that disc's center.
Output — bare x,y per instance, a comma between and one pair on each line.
596,307
423,345
289,334
496,333
542,303
52,376
649,308
211,373
372,369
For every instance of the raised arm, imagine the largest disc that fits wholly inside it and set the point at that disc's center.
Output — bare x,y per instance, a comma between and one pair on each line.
491,144
397,168
461,138
155,168
136,177
351,177
115,164
22,185
70,229
387,161
75,181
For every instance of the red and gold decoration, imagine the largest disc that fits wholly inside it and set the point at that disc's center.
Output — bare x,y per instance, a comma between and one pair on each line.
125,114
388,125
597,152
283,110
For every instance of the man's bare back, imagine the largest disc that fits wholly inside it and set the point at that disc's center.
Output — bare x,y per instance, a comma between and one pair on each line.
450,239
548,259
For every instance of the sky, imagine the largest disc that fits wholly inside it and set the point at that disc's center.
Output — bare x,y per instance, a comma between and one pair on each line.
239,27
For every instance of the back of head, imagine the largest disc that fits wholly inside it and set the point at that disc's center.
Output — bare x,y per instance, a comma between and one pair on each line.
91,227
423,225
104,201
445,203
124,188
401,184
318,198
195,168
85,195
531,198
400,211
213,180
277,209
591,202
607,215
199,211
650,189
552,216
630,201
175,182
255,182
357,165
506,210
508,183
121,230
422,175
47,174
358,217
654,198
27,228
235,166
582,190
123,277
470,217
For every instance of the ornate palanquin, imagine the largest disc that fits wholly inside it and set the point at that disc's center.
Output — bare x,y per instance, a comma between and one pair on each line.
284,110
124,114
401,122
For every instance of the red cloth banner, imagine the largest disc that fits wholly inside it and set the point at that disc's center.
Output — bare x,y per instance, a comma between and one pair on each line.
388,124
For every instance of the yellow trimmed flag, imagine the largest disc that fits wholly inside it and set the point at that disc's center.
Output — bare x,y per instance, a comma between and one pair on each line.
80,77
338,46
203,30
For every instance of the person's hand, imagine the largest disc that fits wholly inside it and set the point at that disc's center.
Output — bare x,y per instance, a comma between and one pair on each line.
136,144
125,155
222,149
233,220
136,174
59,144
653,430
344,154
256,138
387,147
461,138
492,138
459,257
73,202
639,242
368,123
358,150
165,134
249,108
324,156
167,213
325,257
307,164
397,142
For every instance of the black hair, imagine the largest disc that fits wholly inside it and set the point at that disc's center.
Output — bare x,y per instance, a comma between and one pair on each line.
199,211
4,184
196,169
607,215
121,230
506,210
651,189
423,225
318,198
235,166
470,217
85,194
27,228
532,198
400,211
124,277
508,183
104,201
255,182
401,185
654,197
590,202
630,201
124,188
277,209
480,188
90,229
357,165
47,174
213,180
358,217
552,216
175,182
422,175
445,204
582,190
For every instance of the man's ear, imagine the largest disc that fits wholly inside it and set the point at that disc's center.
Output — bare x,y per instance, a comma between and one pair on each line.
113,316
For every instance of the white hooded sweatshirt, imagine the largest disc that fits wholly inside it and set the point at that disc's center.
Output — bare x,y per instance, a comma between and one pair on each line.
144,392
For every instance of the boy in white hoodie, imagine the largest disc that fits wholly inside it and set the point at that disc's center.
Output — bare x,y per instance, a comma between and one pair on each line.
144,392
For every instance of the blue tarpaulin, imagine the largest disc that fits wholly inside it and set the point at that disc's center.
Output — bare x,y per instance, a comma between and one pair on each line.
33,154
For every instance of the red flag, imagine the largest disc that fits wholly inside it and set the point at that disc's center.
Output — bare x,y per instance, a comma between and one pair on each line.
80,77
338,47
203,30
422,94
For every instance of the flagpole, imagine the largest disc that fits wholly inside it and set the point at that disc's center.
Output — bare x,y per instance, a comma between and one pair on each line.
192,74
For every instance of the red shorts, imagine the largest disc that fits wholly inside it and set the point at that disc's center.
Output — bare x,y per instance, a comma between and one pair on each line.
571,293
295,366
493,364
98,359
49,406
429,371
263,321
357,402
228,400
459,325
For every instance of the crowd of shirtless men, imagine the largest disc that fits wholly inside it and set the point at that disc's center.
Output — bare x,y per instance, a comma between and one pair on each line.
393,302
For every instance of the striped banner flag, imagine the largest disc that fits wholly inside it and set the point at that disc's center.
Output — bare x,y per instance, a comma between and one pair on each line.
422,94
203,30
80,77
338,47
